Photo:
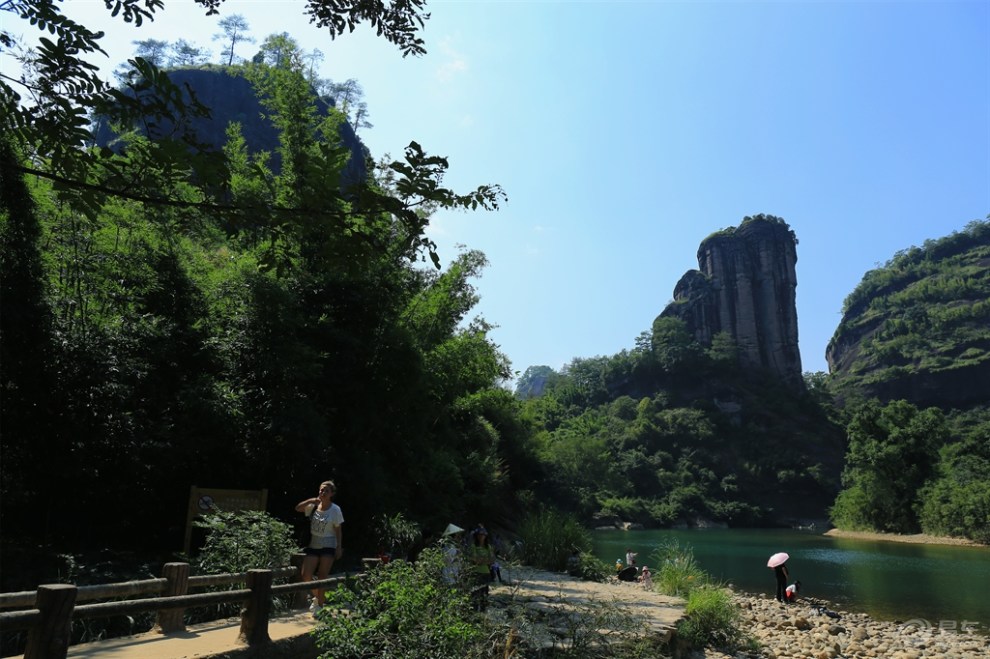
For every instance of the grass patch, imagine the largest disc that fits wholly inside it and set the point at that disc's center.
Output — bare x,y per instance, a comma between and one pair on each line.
678,573
713,619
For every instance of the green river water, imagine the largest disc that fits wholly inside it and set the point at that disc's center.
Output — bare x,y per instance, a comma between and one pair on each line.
945,586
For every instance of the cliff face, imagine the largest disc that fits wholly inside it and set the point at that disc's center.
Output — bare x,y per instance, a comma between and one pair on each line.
745,286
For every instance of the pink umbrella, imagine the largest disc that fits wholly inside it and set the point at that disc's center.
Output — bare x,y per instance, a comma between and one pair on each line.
777,559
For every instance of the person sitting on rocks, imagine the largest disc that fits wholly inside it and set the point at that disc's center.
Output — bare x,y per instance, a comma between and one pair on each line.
790,593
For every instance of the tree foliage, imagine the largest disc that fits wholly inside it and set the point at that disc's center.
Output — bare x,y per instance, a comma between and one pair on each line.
917,327
399,609
46,109
957,501
893,453
669,433
268,329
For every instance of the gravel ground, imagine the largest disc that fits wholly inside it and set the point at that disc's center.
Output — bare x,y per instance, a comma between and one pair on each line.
799,631
795,631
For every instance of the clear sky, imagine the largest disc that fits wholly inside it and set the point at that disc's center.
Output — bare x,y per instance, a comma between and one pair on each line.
626,132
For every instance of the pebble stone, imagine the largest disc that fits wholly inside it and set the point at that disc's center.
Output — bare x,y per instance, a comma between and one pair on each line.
798,631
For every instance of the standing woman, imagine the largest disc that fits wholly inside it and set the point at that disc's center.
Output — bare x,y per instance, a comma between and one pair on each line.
482,556
780,572
326,539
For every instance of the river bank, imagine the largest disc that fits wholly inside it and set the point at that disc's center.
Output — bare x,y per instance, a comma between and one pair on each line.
802,631
914,538
796,631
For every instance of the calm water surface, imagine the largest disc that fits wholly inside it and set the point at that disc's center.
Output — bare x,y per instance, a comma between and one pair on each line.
945,585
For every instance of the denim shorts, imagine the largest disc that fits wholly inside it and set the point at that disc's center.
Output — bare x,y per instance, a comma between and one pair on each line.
321,551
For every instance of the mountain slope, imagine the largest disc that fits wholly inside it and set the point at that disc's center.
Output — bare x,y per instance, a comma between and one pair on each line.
918,328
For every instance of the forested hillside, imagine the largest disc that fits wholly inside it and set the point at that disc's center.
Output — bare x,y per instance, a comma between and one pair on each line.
188,317
918,328
684,429
910,365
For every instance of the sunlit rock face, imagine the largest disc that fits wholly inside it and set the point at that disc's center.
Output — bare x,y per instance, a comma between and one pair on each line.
745,285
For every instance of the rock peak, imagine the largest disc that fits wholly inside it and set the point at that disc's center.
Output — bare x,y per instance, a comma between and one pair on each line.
745,286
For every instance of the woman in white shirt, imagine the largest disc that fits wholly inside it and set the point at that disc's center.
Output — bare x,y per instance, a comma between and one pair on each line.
326,538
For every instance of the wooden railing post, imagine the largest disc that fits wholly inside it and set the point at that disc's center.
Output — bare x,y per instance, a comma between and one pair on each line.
49,638
172,620
254,618
298,598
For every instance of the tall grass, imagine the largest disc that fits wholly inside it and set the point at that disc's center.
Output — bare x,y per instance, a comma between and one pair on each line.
677,573
549,537
711,617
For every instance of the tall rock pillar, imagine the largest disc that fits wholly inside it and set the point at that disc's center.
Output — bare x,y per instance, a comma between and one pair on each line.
745,285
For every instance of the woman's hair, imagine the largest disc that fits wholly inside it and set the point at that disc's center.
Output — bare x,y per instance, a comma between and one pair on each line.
330,484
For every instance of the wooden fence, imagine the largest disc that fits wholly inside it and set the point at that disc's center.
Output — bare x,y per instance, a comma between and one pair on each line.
49,622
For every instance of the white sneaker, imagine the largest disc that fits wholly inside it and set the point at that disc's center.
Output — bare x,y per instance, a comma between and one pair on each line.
312,606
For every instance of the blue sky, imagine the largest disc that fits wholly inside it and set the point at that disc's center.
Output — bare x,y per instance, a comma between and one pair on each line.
625,133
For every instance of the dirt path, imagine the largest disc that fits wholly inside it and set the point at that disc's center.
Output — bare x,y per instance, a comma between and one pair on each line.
559,599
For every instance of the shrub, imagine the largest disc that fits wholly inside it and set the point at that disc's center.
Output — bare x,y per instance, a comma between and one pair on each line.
712,618
240,541
549,537
957,509
244,540
677,572
400,610
592,568
396,534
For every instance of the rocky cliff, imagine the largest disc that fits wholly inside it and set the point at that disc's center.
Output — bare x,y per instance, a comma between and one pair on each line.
745,286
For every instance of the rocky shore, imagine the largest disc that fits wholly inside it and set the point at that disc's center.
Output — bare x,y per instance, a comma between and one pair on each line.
796,631
800,631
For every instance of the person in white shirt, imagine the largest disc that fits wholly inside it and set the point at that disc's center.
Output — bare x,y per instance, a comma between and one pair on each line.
326,538
791,592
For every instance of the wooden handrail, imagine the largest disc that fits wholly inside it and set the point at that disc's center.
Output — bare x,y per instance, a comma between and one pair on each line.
49,623
26,598
99,591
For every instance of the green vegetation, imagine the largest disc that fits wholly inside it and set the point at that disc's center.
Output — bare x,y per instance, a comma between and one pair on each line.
956,502
397,610
549,538
924,314
263,318
235,543
409,610
729,231
670,433
592,568
912,363
239,325
711,617
677,572
242,541
893,451
396,534
911,470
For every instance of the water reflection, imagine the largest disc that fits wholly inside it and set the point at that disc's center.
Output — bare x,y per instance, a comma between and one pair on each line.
839,556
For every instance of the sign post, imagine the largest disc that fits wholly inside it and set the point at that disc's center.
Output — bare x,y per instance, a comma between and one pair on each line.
203,500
